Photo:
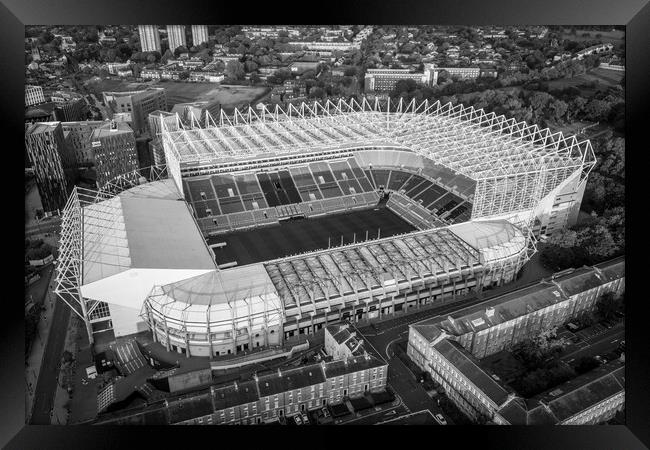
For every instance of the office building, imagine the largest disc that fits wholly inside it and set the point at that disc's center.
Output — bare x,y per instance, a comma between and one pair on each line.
34,95
138,104
115,151
50,159
78,140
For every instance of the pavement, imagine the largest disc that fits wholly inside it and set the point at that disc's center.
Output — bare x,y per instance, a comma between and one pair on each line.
49,225
48,375
40,292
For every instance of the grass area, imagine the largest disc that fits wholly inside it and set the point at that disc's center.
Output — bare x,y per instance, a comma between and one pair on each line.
227,96
182,92
293,237
603,78
504,365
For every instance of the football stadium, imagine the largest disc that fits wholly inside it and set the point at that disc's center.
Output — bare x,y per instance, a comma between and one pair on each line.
269,223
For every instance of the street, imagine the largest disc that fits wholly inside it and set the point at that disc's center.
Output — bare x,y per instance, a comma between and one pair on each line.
598,345
48,377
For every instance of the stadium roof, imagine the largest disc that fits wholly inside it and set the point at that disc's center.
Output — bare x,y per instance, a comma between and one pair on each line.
466,140
114,248
141,232
381,263
213,287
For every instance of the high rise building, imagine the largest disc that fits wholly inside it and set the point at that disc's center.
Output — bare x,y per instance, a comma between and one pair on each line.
149,38
199,34
176,36
115,151
78,140
138,104
49,156
33,95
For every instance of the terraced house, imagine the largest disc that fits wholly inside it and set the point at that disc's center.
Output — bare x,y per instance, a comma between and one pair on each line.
450,349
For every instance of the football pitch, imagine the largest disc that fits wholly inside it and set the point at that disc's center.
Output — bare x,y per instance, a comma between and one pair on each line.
303,235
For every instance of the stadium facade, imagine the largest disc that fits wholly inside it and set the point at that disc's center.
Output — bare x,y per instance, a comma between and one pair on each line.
478,188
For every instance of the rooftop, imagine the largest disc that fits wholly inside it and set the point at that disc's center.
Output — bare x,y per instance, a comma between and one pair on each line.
469,366
568,399
462,139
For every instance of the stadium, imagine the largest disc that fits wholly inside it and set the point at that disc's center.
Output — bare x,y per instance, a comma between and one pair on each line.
268,223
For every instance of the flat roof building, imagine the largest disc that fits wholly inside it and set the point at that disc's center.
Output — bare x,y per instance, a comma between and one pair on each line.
149,38
113,144
199,34
33,95
138,104
176,36
50,159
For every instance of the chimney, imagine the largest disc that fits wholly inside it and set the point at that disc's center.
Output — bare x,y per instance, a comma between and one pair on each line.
279,372
489,311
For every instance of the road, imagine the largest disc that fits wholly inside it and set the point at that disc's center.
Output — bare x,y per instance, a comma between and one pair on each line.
48,226
598,345
48,377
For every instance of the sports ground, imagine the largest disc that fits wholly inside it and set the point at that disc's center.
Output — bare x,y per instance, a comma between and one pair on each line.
303,235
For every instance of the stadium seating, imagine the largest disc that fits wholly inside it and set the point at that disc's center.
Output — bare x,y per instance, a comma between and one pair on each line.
230,201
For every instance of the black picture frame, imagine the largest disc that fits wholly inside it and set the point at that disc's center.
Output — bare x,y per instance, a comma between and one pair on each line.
634,14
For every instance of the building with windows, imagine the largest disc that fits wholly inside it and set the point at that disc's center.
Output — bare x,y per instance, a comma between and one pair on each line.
50,159
451,348
176,36
115,67
282,393
113,145
385,80
78,140
326,46
149,38
199,34
33,95
138,104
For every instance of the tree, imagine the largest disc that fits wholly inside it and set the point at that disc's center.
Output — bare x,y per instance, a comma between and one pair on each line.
317,92
235,70
179,50
607,306
586,364
597,241
166,56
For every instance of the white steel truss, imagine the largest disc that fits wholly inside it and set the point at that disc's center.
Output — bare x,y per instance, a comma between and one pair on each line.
70,265
514,164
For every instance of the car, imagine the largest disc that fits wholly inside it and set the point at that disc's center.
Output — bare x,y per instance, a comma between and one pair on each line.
440,419
297,419
305,419
325,411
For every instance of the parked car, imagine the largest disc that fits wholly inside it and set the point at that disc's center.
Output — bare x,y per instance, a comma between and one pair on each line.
325,411
305,419
440,419
297,419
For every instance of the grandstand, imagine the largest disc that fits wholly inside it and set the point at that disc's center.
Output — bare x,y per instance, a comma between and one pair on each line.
140,253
